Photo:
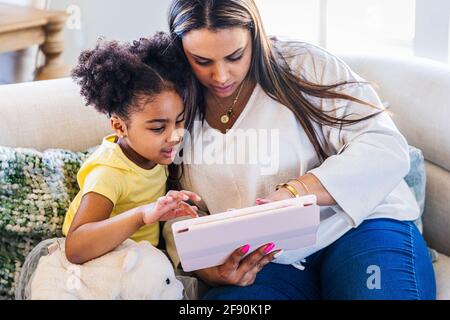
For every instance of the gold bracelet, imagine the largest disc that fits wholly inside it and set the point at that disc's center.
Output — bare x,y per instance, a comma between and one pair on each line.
288,187
303,185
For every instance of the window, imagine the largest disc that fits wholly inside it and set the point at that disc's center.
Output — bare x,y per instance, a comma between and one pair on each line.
291,18
371,26
401,27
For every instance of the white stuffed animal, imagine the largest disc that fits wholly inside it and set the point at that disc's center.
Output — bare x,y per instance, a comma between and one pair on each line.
131,271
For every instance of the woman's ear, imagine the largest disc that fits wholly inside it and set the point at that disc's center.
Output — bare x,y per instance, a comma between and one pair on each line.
119,126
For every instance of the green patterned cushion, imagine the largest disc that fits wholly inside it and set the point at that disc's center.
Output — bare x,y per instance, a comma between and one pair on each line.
36,189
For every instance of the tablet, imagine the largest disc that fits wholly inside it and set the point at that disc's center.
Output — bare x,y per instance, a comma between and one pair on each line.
208,241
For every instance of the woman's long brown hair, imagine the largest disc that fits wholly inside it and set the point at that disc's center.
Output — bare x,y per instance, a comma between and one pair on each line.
275,77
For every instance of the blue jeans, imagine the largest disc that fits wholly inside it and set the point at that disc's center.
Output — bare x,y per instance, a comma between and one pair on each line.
380,259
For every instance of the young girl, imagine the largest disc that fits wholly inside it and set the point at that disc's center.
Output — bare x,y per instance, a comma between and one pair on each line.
122,184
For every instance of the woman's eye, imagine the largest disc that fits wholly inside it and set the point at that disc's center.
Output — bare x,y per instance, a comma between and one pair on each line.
235,58
202,63
157,130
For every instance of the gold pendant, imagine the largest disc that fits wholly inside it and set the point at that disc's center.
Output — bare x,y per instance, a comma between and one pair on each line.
224,119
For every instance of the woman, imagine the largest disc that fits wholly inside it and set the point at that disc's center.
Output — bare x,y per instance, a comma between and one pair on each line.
330,136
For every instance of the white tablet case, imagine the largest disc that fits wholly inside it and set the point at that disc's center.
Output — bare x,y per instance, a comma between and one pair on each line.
208,241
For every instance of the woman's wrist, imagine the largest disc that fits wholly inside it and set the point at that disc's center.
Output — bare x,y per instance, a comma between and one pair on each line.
289,189
294,187
300,186
204,275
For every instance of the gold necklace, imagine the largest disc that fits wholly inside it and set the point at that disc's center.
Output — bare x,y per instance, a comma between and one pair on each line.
225,118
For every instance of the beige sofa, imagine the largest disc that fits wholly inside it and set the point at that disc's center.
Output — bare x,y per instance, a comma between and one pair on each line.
51,114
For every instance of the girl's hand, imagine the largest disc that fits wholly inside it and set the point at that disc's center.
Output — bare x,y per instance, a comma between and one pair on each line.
171,206
280,194
238,269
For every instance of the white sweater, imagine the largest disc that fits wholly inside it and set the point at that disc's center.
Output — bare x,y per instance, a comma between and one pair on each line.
267,146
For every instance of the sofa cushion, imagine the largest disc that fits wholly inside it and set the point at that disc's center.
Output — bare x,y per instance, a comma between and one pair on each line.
413,86
436,216
35,191
442,272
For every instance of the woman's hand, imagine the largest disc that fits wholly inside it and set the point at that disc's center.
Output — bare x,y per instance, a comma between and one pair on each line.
238,269
170,206
280,194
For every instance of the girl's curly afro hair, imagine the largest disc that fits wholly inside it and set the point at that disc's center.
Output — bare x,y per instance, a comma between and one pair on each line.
114,76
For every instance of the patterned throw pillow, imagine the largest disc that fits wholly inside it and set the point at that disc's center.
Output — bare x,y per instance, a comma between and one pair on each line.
36,189
416,180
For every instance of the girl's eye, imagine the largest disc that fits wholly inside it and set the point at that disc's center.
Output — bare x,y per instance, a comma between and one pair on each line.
235,58
180,121
157,130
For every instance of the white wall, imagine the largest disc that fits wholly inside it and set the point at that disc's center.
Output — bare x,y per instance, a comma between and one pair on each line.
113,19
432,38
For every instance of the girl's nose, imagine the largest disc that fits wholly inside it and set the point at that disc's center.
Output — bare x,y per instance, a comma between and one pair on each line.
176,136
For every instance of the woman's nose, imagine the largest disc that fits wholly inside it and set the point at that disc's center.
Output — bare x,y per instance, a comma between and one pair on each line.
220,74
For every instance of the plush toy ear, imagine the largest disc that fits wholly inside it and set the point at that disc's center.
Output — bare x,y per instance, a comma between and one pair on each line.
130,260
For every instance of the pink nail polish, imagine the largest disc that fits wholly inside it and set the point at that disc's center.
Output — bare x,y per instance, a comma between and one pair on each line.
269,248
245,249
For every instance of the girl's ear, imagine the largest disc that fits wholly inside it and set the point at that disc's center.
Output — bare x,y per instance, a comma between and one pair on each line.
119,126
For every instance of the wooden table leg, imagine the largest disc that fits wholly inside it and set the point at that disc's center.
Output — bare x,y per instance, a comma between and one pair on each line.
52,49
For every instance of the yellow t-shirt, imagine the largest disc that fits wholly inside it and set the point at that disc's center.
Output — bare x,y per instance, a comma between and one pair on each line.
110,173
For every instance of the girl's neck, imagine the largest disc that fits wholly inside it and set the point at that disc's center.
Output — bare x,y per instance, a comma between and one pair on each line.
133,156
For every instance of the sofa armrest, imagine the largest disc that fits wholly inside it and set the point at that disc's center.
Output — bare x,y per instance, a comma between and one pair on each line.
49,114
417,94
